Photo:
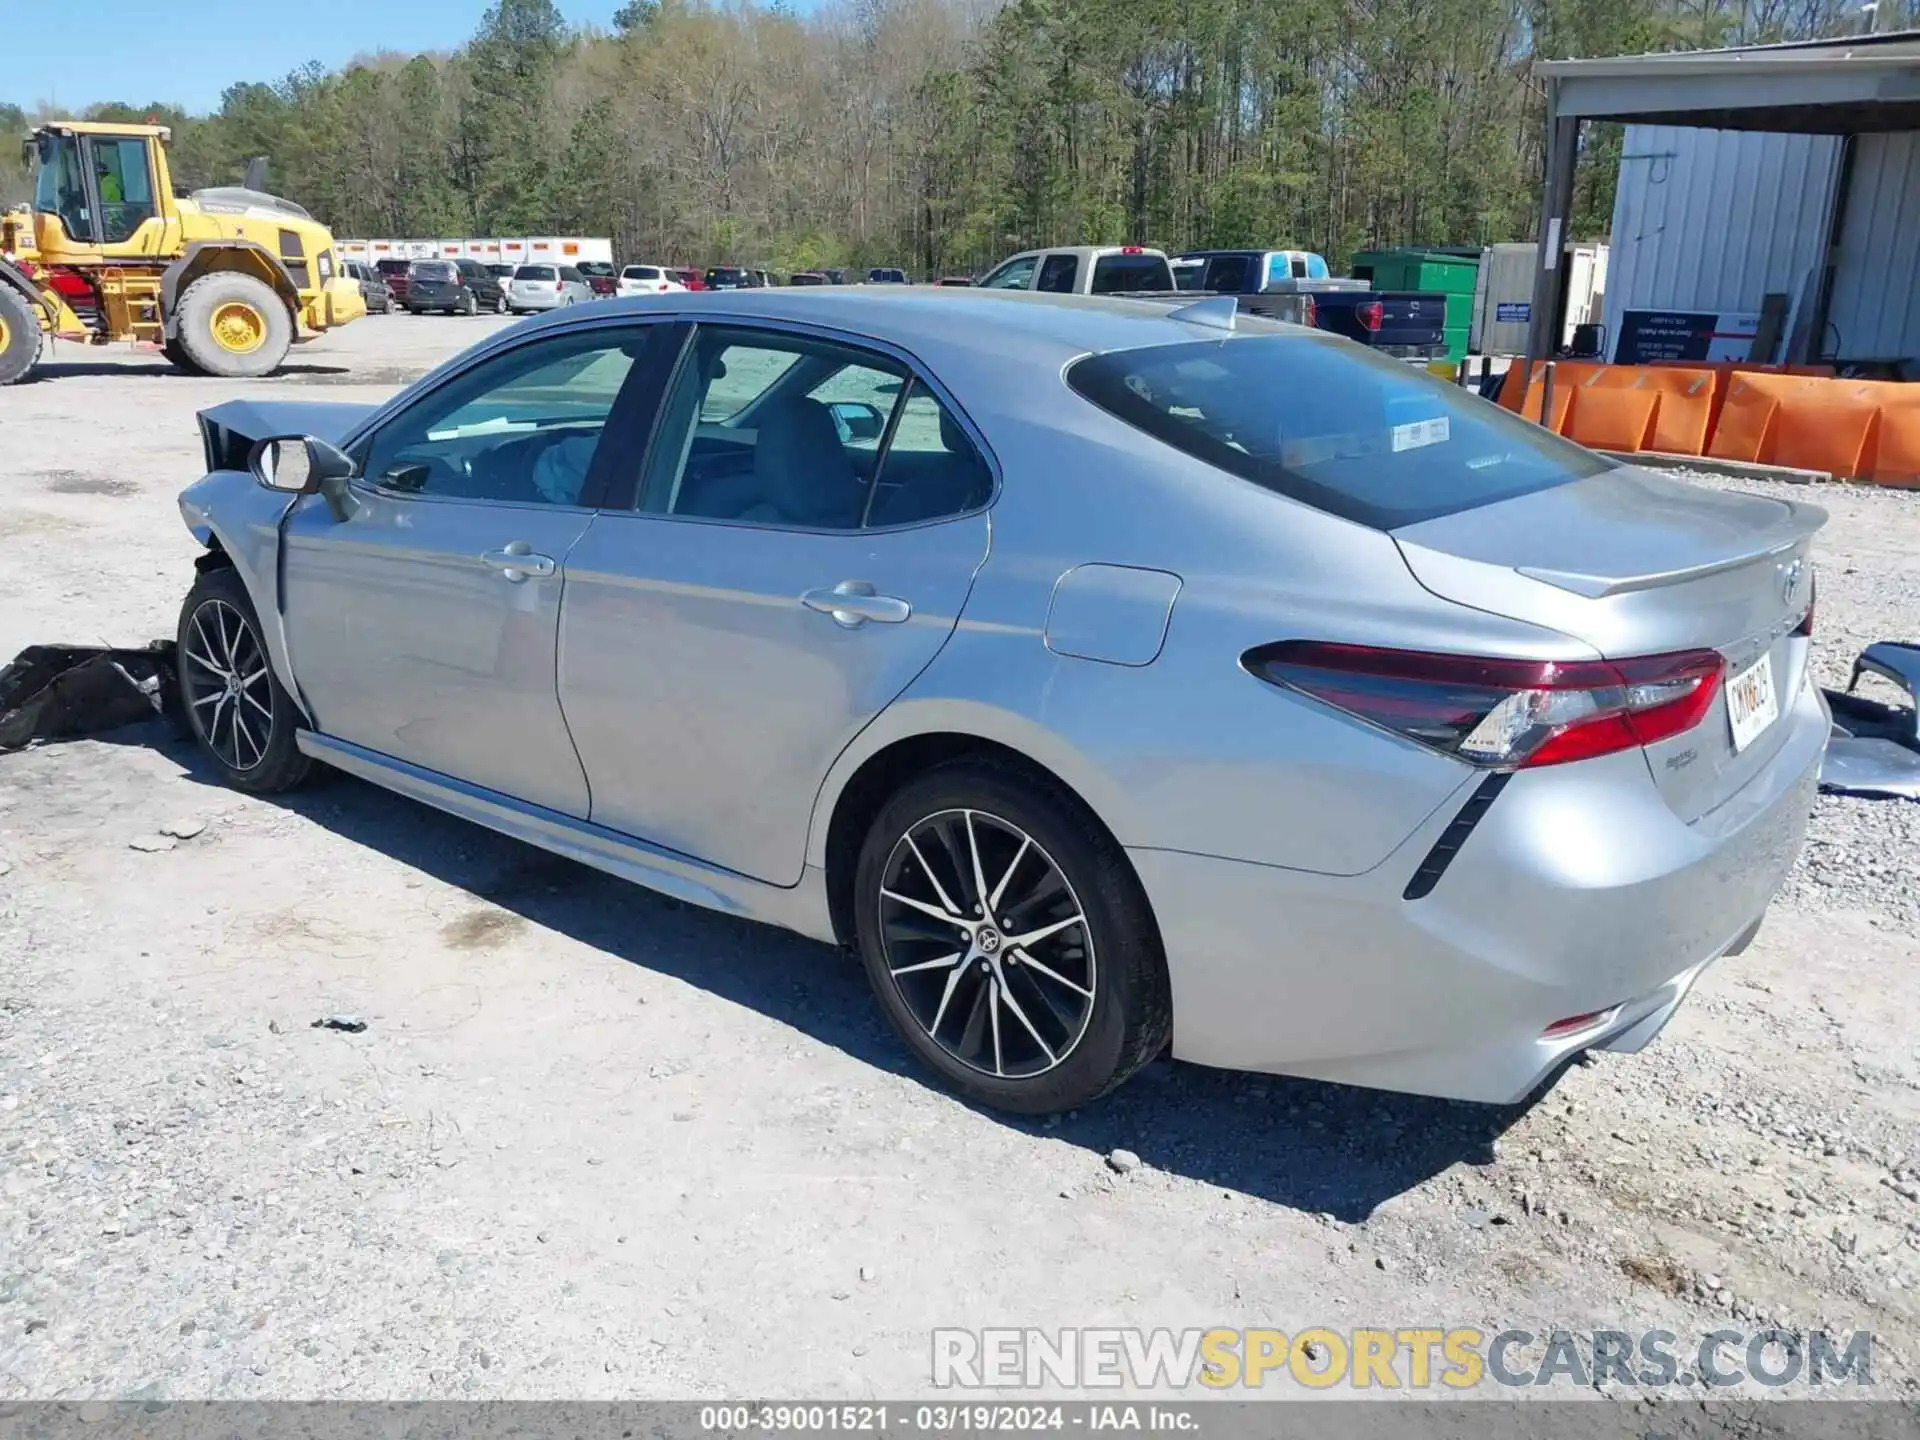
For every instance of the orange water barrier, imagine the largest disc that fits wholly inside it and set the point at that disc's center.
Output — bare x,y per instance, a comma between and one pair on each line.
1801,417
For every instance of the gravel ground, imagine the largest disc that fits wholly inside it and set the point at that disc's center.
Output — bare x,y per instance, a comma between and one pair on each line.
592,1143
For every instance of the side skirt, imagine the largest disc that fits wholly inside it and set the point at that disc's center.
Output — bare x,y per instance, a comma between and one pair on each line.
802,908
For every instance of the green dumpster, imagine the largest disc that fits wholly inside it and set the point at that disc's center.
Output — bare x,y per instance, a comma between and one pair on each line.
1450,272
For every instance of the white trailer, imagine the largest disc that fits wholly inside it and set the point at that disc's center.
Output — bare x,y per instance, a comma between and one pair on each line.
1503,294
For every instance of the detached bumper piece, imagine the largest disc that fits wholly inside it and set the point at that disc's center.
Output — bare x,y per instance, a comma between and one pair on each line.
59,692
1875,749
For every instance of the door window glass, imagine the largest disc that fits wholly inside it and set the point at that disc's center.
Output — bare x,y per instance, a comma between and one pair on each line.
1016,274
1057,274
126,190
519,429
59,189
808,434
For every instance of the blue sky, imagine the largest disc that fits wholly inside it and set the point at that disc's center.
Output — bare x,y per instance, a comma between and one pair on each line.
187,53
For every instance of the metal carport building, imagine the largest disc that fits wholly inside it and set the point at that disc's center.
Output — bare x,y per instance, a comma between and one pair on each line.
1864,92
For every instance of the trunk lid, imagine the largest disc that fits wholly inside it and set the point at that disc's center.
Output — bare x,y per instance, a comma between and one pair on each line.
1409,318
1632,563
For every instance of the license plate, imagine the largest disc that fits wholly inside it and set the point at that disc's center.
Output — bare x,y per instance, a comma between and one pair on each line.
1751,704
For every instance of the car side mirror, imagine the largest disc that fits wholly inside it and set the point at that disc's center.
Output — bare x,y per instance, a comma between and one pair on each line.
857,420
304,465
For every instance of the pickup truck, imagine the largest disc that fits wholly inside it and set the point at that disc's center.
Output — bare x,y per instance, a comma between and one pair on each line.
1406,324
1083,270
1127,270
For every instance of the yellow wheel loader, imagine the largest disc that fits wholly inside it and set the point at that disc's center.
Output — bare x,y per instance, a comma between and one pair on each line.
222,280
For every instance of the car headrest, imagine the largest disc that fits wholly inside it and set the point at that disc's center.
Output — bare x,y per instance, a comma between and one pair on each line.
802,469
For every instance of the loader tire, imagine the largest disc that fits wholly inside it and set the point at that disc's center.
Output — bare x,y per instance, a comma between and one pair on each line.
233,325
182,361
19,335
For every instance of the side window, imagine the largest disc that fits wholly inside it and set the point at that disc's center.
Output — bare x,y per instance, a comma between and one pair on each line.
1058,273
1228,274
126,189
771,429
931,469
826,438
571,275
518,429
1016,274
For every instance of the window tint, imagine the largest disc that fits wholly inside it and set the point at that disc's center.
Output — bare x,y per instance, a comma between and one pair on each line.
534,272
1227,273
640,272
832,439
567,272
391,267
1016,274
1112,273
520,428
1332,425
1057,274
433,270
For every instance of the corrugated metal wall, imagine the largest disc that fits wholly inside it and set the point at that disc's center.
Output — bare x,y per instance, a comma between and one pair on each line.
1715,219
1875,313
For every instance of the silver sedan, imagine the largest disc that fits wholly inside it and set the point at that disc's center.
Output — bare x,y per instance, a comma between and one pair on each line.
1115,678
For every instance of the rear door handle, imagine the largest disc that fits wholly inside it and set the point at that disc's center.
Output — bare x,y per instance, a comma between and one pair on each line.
516,561
852,603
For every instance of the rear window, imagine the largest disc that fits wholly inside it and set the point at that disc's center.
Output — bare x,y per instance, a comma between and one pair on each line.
725,274
640,272
534,272
1332,425
1131,272
432,270
391,267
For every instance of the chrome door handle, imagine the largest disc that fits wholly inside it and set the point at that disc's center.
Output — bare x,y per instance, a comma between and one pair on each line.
516,561
852,603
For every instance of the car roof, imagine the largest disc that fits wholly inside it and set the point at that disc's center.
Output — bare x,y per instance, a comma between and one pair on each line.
947,323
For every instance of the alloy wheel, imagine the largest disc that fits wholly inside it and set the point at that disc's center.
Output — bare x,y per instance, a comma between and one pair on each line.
228,687
987,944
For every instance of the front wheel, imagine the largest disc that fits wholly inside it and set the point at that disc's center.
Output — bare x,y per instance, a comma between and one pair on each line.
19,335
470,305
242,717
500,305
233,325
1008,939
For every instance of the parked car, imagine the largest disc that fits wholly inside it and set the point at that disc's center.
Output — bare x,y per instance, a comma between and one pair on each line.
835,275
1305,713
453,287
1083,270
373,286
394,272
1410,325
886,275
546,287
764,278
690,278
731,277
809,277
648,280
954,280
600,276
502,273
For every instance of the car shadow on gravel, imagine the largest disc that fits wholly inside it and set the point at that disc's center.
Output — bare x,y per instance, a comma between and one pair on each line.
1314,1147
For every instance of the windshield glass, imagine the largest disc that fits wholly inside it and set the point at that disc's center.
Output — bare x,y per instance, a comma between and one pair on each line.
1332,425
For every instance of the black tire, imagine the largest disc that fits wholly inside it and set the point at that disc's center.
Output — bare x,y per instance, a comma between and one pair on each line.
248,734
208,300
182,361
19,335
1099,1041
470,305
500,305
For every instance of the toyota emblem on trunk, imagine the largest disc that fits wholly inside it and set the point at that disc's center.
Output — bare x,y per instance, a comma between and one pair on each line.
1790,576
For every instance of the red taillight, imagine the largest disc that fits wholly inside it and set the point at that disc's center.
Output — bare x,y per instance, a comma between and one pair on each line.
1370,313
1574,1024
1130,250
1497,713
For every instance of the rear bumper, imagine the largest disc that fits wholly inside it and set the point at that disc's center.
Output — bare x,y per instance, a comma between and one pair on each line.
545,301
1580,892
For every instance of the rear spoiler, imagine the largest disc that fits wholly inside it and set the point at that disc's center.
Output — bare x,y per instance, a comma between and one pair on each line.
1797,521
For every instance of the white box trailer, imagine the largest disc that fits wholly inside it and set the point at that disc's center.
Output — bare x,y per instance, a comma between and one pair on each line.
568,250
353,250
1503,294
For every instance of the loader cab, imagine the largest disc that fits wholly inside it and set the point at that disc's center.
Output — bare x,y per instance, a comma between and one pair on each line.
99,191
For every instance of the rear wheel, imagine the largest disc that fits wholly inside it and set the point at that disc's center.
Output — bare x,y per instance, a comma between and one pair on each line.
500,305
19,335
233,325
182,361
242,718
470,304
1008,940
